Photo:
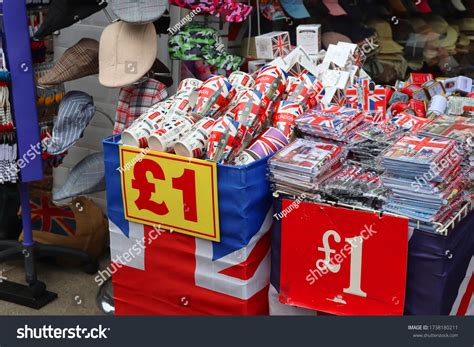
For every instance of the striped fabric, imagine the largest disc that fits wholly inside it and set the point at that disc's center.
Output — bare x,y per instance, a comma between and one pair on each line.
75,112
136,100
87,177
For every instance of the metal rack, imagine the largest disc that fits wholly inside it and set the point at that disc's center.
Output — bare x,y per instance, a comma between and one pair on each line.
441,228
19,60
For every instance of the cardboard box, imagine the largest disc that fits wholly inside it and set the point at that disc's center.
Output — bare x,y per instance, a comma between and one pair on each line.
308,36
296,63
460,84
255,65
273,45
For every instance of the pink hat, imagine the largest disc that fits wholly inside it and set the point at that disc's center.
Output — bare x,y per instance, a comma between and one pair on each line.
334,8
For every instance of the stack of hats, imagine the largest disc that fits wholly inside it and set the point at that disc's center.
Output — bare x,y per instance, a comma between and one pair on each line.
448,36
127,50
228,10
462,45
466,26
439,40
390,54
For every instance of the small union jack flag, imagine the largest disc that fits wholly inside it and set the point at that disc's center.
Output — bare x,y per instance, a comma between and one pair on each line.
281,45
212,96
339,98
359,57
374,97
367,96
47,217
420,143
297,70
331,117
352,99
376,117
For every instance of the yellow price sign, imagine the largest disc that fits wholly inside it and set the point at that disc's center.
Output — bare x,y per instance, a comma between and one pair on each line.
170,192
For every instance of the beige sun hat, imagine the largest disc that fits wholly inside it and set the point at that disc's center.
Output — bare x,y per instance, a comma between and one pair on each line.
386,42
127,52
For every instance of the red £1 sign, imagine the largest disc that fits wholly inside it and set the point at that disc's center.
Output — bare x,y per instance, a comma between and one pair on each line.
343,262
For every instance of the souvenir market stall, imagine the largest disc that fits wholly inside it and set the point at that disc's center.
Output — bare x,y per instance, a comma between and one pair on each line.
286,158
353,157
390,188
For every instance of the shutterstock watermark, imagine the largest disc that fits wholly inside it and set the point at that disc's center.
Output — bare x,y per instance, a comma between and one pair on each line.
128,256
131,163
330,260
293,206
30,155
449,160
131,67
185,20
48,332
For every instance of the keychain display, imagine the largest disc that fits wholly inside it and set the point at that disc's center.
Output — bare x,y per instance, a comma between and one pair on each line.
48,101
8,147
356,185
370,142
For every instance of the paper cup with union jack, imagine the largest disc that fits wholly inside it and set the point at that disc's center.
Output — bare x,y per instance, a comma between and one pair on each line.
271,82
268,142
164,139
289,84
231,108
137,134
315,94
301,89
189,83
183,102
248,110
213,97
194,144
241,79
225,135
285,116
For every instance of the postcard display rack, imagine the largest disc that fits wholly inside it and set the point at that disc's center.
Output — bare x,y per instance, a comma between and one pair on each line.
19,61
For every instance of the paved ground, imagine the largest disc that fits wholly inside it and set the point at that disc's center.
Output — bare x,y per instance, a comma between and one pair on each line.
76,290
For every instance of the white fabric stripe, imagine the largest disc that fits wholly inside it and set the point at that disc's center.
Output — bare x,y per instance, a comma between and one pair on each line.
120,244
462,292
207,271
75,112
204,248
